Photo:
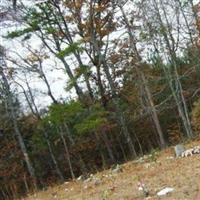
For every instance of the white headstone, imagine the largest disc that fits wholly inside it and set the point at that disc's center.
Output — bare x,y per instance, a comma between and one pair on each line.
165,191
179,149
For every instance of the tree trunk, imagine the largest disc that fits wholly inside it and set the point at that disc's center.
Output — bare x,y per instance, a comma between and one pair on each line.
58,171
37,114
47,83
176,89
99,147
153,110
119,113
15,124
144,82
108,146
69,135
26,184
67,154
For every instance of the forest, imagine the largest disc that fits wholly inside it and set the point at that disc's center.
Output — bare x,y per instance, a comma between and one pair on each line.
130,73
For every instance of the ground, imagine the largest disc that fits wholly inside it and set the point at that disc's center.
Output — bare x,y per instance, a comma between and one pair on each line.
155,171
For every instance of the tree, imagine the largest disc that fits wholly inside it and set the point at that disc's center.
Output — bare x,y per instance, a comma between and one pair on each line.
13,116
137,62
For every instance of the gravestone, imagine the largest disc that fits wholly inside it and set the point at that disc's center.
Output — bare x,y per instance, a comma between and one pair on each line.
179,149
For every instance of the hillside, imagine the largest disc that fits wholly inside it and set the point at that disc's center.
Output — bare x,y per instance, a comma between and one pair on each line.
158,171
88,85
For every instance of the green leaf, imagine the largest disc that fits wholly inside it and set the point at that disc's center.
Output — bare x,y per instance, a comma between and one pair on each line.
19,33
60,113
72,48
93,120
90,124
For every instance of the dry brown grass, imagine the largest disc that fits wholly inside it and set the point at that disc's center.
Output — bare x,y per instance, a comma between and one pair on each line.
183,174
